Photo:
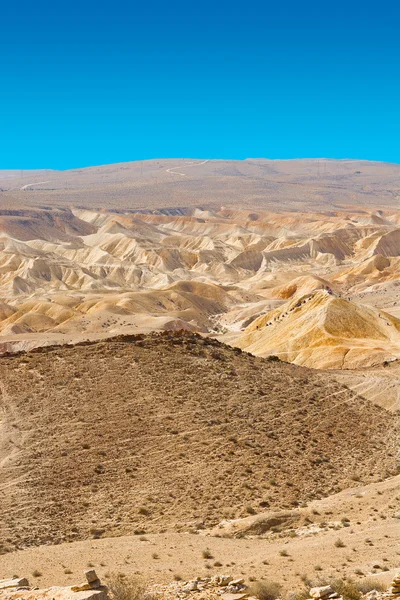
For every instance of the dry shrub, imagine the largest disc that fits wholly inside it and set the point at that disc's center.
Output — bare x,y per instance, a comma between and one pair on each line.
266,590
122,587
347,589
369,584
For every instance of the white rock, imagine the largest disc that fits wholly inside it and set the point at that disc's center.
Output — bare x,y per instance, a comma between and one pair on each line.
190,587
321,592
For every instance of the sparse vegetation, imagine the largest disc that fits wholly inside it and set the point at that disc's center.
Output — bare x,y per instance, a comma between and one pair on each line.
347,589
265,590
207,554
368,584
123,587
36,573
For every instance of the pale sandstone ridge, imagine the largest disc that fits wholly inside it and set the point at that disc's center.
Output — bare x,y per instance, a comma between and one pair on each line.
324,330
68,274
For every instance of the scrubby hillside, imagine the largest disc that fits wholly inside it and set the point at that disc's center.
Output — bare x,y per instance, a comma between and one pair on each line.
172,432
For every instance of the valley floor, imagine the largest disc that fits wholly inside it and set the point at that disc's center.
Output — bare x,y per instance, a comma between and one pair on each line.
368,547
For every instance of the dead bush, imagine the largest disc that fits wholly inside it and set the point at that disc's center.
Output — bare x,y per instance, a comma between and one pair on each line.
347,589
367,585
122,587
265,590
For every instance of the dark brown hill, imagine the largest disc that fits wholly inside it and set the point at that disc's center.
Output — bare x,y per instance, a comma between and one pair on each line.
167,432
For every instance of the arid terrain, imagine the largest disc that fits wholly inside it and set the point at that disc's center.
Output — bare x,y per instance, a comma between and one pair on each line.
294,185
200,371
315,284
175,433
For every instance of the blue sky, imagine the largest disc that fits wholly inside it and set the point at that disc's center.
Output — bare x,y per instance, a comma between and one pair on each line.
86,83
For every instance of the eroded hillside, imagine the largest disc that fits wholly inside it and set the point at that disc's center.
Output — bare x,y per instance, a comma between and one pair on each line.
68,274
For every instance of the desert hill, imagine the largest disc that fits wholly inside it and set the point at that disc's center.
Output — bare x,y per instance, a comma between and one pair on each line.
257,184
324,331
172,432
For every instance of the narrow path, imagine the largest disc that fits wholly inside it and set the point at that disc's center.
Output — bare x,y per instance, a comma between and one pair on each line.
24,187
3,435
190,164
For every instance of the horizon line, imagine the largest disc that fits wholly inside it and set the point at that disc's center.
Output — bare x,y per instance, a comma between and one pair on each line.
93,166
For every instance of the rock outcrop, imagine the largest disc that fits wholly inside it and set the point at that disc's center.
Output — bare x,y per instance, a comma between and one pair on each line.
19,589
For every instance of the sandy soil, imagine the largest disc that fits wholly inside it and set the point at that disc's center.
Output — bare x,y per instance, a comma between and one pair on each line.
370,547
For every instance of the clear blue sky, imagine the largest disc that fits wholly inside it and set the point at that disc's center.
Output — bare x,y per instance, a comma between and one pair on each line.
86,83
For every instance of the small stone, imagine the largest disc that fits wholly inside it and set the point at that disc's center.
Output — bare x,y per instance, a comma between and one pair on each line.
91,576
236,581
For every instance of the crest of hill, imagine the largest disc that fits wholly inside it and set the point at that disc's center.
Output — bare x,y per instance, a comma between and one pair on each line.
320,330
172,432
